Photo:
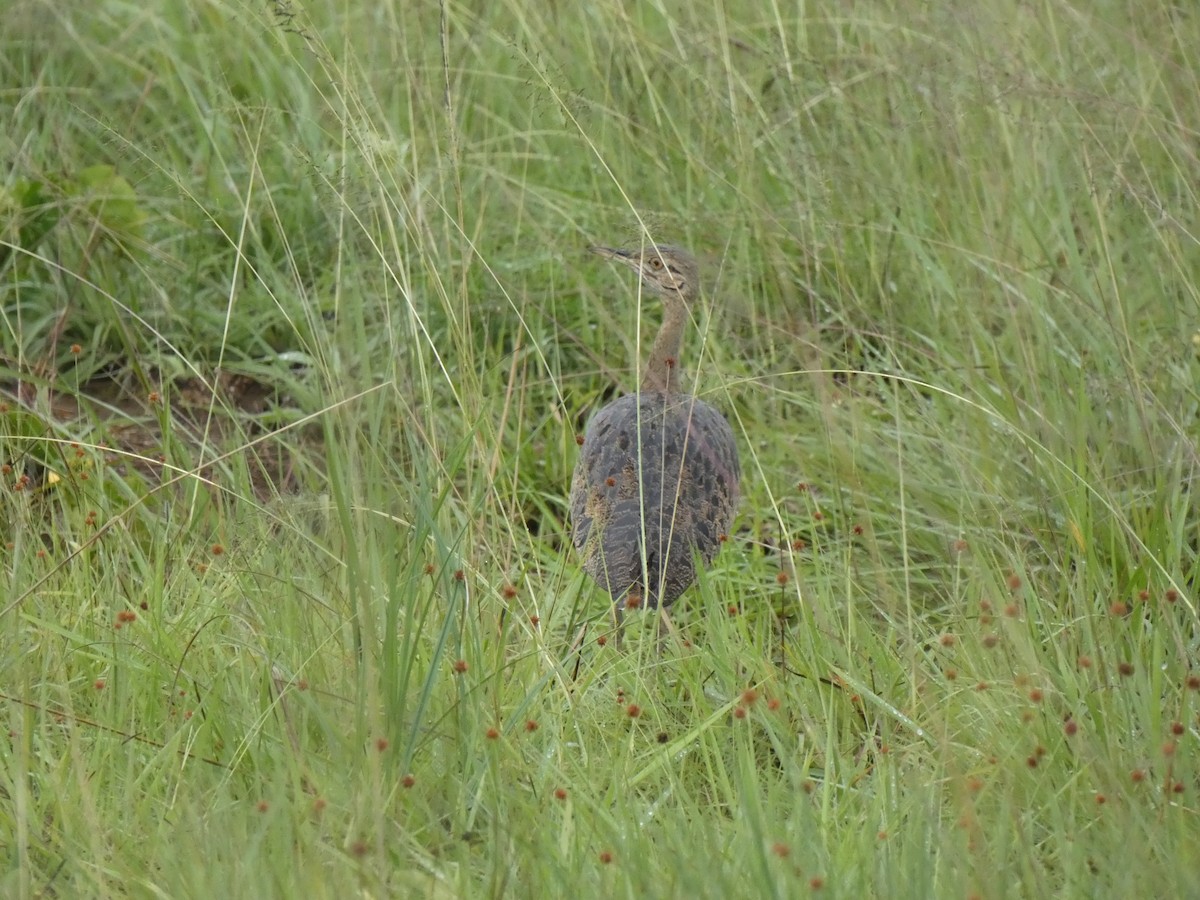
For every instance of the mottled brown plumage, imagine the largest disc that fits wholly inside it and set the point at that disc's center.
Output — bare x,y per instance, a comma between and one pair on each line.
656,483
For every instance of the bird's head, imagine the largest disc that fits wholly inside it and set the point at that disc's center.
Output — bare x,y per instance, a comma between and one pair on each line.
670,272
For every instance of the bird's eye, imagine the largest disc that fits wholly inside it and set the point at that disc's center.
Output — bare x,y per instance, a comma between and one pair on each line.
655,262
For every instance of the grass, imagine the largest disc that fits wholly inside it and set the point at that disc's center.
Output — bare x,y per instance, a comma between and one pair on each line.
298,332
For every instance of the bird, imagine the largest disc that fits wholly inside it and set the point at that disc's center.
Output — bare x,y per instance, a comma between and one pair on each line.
656,485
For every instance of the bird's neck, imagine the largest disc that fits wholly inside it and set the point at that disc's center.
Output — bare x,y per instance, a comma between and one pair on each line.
662,370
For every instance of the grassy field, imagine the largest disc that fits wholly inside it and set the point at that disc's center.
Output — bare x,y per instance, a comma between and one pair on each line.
297,333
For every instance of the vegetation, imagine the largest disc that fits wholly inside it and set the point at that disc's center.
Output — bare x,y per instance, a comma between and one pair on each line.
297,332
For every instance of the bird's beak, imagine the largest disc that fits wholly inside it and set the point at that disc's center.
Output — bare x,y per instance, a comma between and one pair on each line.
630,258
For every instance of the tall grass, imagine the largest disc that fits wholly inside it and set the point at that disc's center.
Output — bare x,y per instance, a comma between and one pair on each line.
336,640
